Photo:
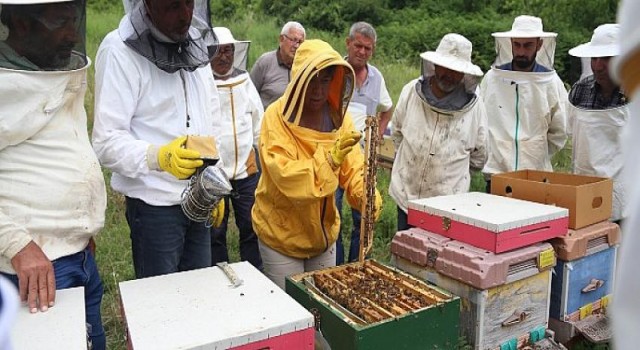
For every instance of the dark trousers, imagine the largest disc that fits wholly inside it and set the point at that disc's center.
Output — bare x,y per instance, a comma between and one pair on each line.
402,220
164,240
354,248
242,201
80,270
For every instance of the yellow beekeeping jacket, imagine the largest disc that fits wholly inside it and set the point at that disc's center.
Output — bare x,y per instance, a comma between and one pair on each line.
295,212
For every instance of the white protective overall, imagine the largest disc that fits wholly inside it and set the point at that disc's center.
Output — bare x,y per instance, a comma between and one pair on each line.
626,303
527,111
597,148
44,170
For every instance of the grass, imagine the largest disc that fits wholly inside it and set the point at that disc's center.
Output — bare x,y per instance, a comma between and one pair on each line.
113,244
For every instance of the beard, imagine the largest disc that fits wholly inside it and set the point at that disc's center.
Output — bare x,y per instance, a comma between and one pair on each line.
445,85
523,62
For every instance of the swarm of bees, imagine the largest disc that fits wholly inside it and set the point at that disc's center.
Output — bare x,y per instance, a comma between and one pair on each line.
375,293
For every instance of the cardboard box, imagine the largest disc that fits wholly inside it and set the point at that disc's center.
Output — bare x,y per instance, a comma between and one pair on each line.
588,198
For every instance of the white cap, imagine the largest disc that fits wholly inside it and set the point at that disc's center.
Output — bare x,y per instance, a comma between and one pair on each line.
604,43
525,27
453,52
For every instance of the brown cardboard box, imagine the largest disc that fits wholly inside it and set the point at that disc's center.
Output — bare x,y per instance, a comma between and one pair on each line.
588,198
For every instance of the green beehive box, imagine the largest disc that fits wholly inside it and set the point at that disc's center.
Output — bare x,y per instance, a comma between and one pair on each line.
431,327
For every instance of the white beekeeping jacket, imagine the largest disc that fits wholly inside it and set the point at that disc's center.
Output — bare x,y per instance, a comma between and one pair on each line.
527,115
597,148
52,189
238,129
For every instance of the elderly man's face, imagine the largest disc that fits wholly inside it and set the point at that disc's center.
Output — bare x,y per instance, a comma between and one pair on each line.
446,79
223,60
290,42
171,17
359,50
52,35
600,68
524,52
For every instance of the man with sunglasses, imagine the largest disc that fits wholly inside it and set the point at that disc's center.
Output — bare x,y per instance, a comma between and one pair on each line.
52,191
272,71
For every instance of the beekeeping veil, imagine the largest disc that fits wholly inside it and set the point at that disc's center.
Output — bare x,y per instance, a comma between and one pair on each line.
240,52
453,52
42,35
139,33
525,27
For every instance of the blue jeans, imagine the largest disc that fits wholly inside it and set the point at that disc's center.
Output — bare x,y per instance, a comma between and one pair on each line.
164,240
402,220
354,248
242,201
80,270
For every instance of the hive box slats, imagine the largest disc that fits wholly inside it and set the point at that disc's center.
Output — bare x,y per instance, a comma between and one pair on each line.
434,327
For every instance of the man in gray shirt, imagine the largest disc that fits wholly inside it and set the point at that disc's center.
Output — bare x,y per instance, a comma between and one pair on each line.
272,71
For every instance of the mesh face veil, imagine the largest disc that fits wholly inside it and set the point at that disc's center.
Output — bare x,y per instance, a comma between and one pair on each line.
51,35
140,33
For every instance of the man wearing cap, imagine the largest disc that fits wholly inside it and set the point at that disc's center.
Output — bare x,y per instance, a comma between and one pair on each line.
52,192
598,114
153,88
525,99
272,71
439,127
370,97
237,132
625,70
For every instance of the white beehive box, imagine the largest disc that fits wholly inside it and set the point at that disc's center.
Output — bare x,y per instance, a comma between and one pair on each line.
61,327
200,309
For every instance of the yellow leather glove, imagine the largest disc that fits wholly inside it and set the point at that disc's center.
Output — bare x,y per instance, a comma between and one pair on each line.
378,206
177,160
343,146
217,214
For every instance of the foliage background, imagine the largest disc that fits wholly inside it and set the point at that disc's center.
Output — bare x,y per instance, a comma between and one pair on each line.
405,29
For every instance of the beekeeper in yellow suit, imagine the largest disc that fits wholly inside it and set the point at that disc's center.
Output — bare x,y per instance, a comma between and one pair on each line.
308,146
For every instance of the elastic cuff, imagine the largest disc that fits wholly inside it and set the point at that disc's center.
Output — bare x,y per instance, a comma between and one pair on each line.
330,161
152,157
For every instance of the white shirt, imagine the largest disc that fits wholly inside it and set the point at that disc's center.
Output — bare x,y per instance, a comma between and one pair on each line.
238,130
435,148
51,186
138,105
369,99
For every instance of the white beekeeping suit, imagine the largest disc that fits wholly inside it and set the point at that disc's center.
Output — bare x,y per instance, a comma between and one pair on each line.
526,110
238,130
597,133
626,303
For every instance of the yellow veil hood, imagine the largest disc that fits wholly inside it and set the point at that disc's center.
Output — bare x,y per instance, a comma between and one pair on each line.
312,56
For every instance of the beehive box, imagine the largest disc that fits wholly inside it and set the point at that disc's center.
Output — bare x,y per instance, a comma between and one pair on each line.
491,222
386,152
588,198
583,286
503,317
505,296
377,307
61,327
201,309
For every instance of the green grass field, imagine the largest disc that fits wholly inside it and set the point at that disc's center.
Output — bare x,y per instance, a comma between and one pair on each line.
113,244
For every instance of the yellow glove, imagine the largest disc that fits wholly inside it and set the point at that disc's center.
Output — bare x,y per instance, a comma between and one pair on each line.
343,146
177,160
217,214
378,206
